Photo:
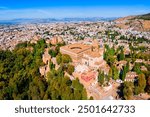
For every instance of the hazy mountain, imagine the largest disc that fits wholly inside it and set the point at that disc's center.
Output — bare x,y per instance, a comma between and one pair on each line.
49,20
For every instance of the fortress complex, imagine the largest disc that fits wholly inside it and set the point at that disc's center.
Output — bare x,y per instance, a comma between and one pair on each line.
75,51
89,55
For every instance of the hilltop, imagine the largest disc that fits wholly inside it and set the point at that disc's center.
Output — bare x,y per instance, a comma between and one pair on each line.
138,23
145,16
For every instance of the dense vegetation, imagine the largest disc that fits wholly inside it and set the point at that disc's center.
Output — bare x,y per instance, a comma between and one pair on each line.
145,17
112,56
130,88
20,77
62,88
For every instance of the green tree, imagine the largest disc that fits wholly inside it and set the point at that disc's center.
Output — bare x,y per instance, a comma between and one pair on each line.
121,56
21,45
52,52
128,90
136,68
20,77
141,84
115,73
148,85
110,74
70,69
76,84
51,65
66,58
91,98
127,67
101,78
123,73
142,81
59,58
84,94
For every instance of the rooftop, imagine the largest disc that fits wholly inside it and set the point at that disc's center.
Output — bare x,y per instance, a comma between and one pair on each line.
76,48
94,53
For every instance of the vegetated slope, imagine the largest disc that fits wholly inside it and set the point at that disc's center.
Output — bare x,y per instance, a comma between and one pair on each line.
144,17
20,78
138,23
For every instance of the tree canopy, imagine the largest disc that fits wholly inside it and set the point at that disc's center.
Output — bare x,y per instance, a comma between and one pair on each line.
20,77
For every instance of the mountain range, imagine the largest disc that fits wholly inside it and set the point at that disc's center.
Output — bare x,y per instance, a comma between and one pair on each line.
49,20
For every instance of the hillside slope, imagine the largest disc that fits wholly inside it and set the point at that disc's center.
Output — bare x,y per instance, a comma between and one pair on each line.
139,23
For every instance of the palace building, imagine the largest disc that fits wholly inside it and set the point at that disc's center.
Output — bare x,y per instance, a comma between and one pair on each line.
89,55
75,51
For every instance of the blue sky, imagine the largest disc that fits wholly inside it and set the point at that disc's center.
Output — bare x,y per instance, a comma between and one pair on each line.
12,9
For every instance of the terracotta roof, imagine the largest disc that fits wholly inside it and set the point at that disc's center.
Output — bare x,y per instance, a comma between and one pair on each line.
93,54
76,48
88,76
